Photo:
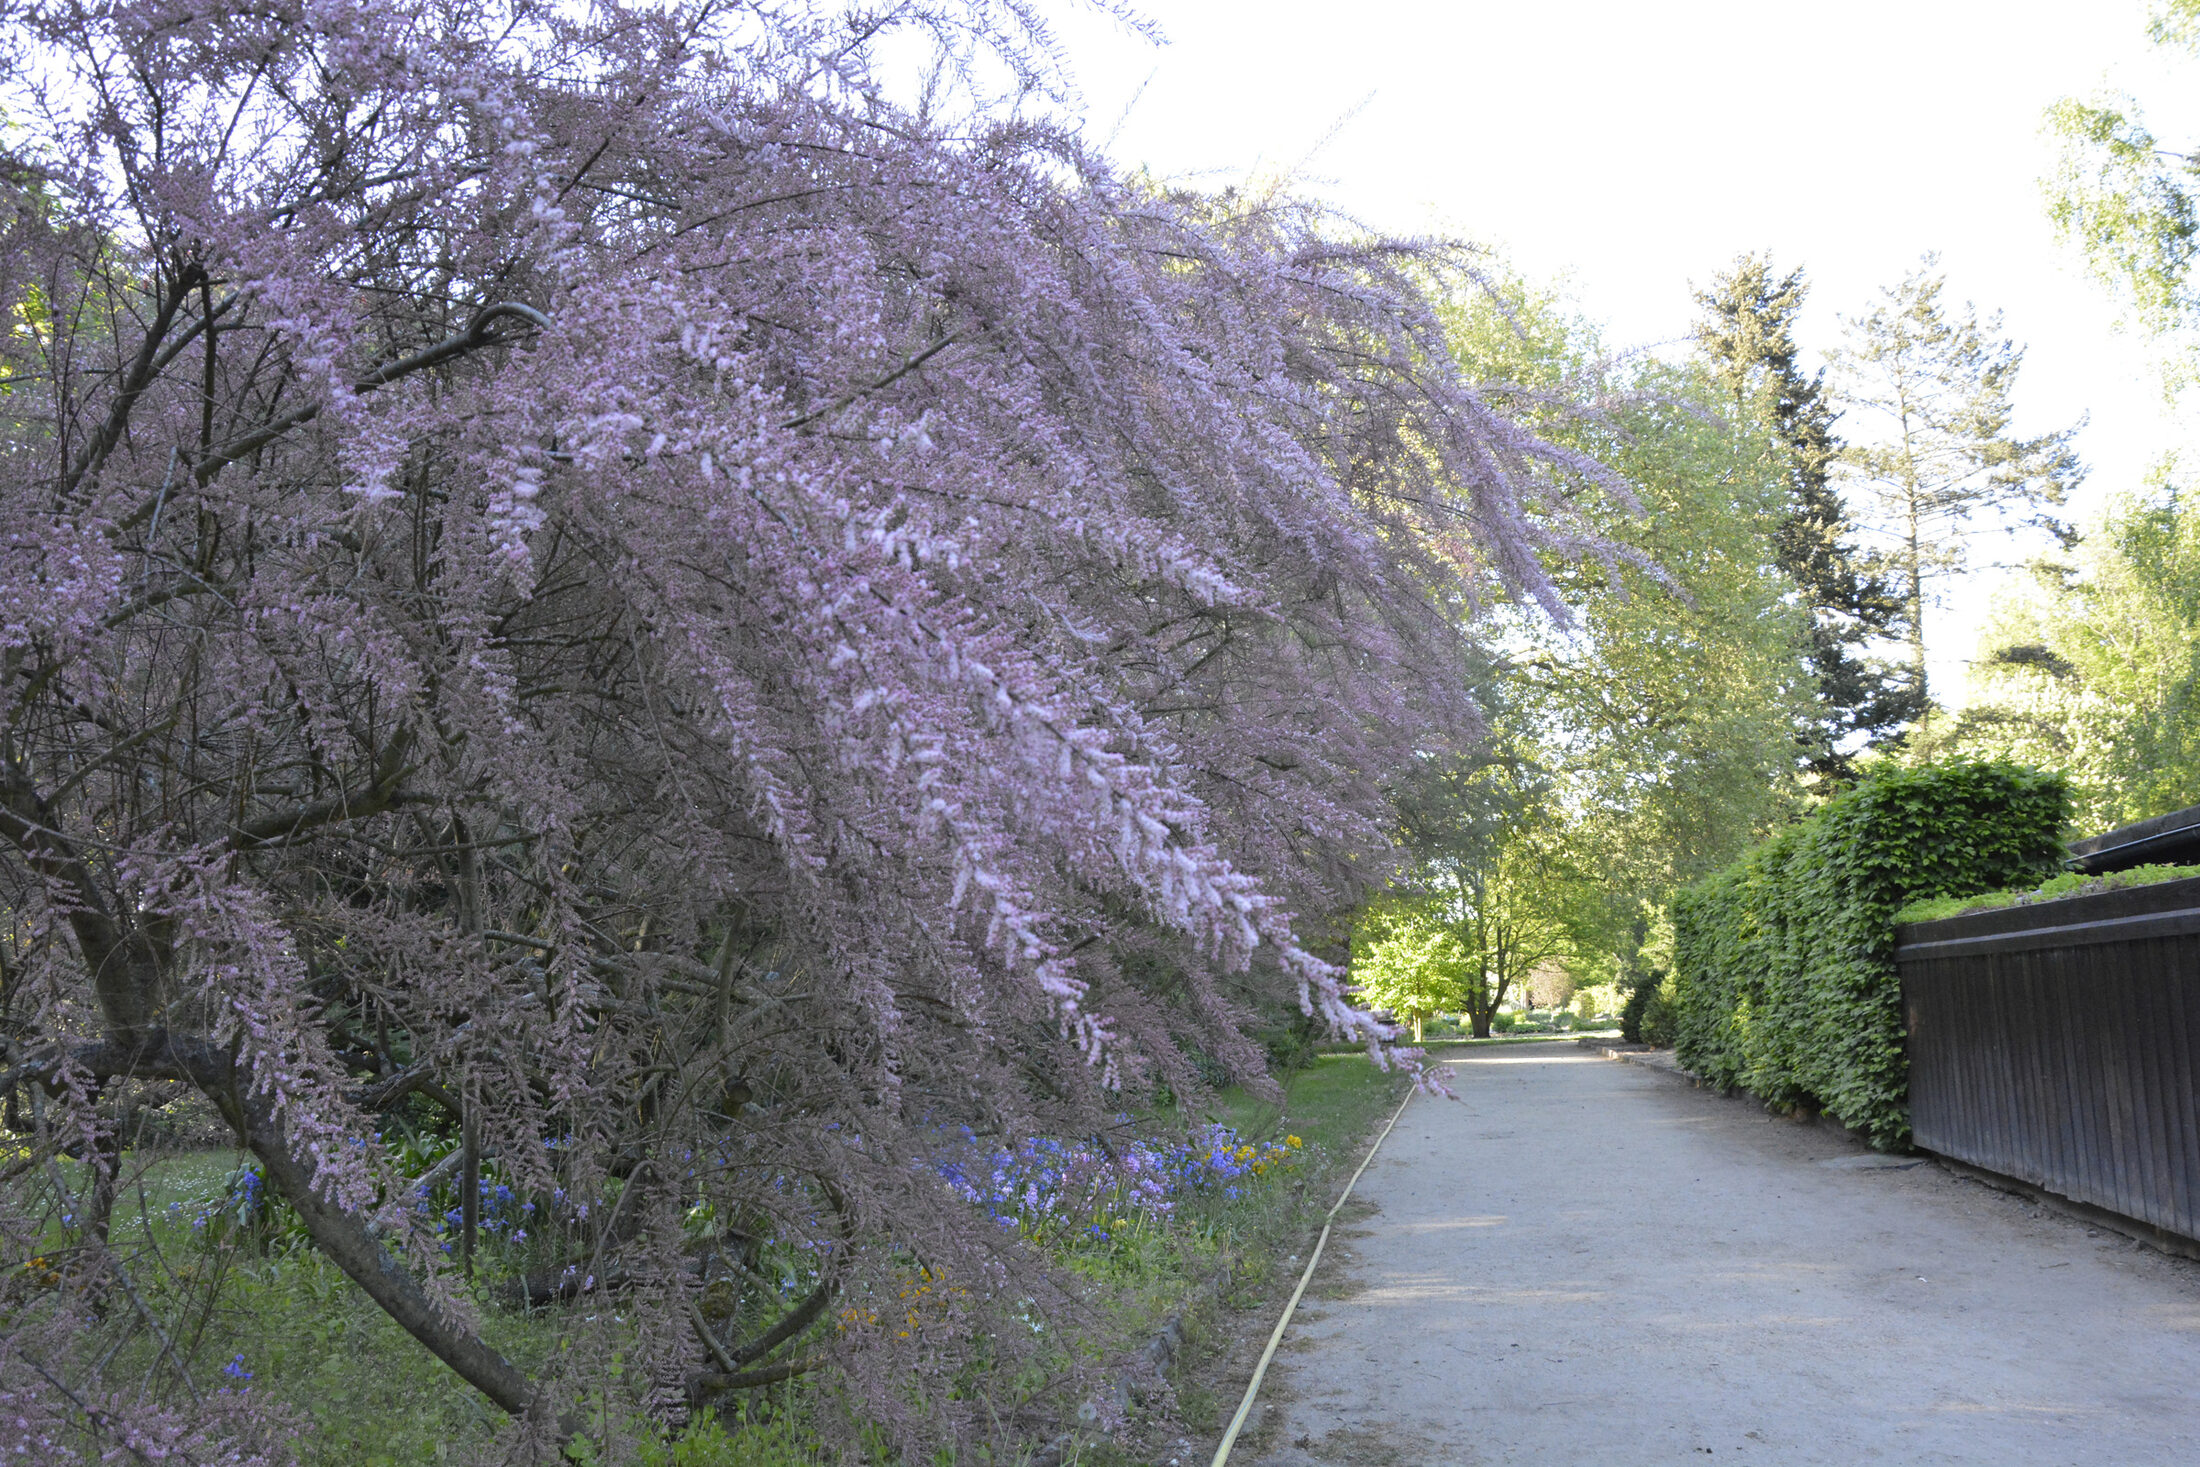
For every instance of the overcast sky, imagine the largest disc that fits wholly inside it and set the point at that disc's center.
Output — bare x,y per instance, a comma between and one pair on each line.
1627,151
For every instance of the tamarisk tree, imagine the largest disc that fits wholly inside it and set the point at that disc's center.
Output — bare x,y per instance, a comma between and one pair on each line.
579,568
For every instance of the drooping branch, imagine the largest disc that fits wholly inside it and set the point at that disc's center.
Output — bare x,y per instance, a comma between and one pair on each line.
123,960
380,793
475,336
798,1319
706,1386
137,377
344,1239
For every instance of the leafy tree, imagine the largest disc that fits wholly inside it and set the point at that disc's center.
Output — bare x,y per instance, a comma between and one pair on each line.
577,572
2094,667
1935,389
1531,902
1747,333
1407,960
1473,921
2129,202
1668,705
1650,735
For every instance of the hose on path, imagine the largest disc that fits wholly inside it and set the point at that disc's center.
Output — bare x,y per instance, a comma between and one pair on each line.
1252,1387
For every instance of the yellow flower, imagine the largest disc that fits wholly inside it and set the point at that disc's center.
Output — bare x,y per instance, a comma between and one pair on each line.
1292,1142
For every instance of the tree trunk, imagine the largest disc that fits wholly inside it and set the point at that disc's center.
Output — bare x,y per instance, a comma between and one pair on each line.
344,1239
106,1167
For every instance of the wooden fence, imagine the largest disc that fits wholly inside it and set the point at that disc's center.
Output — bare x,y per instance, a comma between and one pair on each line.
2059,1044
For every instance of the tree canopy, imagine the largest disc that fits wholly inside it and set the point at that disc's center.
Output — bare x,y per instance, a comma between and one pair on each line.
578,564
2129,200
1747,333
1650,737
2091,666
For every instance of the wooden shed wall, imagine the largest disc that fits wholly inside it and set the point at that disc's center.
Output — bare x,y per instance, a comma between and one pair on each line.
2060,1044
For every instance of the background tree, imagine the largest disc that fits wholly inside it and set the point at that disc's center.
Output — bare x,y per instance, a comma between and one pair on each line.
1667,712
1934,388
1407,961
1747,334
2128,201
1475,916
1649,734
1534,901
2093,667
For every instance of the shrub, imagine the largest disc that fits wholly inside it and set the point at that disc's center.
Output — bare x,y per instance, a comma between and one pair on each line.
1503,1023
1639,999
1660,1013
1784,976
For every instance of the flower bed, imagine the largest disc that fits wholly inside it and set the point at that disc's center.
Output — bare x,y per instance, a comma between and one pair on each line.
1081,1192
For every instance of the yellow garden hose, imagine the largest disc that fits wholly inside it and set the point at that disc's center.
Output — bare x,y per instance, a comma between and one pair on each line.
1252,1387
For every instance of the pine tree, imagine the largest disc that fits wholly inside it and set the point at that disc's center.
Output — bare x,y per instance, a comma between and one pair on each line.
1747,332
1946,467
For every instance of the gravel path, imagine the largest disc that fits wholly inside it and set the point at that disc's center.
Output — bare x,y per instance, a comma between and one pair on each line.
1588,1262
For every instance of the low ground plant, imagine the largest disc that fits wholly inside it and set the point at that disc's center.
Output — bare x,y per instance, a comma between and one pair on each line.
2069,884
1141,1221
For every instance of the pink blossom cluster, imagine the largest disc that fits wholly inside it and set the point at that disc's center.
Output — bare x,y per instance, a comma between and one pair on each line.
579,572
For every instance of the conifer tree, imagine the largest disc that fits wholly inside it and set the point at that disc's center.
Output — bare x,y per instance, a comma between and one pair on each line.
1747,332
1946,467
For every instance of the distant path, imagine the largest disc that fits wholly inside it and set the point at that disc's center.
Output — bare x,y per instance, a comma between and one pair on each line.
1584,1262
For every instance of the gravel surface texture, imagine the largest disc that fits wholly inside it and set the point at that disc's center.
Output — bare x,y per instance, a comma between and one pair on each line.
1589,1262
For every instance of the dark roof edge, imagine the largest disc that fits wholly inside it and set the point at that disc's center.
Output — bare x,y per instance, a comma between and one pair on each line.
2177,833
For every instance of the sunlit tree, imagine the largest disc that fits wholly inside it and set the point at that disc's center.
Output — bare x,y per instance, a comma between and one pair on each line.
1407,961
2092,667
1928,397
1747,334
2129,199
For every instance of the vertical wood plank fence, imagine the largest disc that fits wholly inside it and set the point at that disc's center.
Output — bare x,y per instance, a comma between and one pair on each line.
2059,1044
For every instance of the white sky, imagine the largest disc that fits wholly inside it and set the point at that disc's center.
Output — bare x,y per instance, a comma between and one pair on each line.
1630,150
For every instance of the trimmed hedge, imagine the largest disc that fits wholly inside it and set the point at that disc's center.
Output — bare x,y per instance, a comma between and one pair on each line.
1784,978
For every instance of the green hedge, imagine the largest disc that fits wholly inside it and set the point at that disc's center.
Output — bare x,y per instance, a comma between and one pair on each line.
1784,975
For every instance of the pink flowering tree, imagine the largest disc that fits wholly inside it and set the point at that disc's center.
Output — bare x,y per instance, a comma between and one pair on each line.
580,568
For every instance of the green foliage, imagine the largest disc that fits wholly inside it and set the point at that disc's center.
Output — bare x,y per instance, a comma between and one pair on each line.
1634,1015
2127,199
1784,974
2094,667
1660,1024
1655,737
2069,884
1746,333
773,1442
1630,1014
1407,959
1504,882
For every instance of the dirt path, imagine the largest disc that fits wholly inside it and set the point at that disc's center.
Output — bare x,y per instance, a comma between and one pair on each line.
1586,1262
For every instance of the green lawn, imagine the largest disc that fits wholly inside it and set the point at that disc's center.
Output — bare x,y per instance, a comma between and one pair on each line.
375,1398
